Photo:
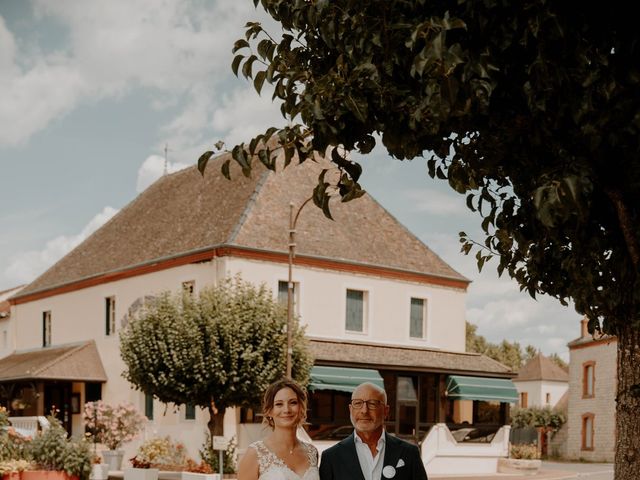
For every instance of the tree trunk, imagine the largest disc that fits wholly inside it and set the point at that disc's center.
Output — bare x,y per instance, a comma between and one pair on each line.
627,459
216,418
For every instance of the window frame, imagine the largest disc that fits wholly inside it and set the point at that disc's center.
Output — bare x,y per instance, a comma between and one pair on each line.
586,392
590,435
148,406
524,399
189,287
282,295
46,328
110,315
365,311
424,318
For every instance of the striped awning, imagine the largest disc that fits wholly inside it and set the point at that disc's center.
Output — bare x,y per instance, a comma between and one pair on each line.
481,388
342,379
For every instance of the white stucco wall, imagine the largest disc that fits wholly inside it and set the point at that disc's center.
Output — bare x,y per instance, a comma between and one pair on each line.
322,305
537,391
80,315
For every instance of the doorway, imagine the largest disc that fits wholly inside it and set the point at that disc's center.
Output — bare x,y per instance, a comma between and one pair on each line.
406,414
57,402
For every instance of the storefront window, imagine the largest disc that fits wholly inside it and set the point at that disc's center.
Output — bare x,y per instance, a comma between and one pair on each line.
328,417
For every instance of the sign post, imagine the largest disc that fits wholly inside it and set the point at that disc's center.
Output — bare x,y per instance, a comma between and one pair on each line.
220,443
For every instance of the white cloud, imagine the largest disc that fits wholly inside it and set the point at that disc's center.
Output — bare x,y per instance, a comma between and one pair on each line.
177,50
153,168
435,202
244,114
26,266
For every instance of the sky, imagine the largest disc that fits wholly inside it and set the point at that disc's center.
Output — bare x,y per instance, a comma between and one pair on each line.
94,91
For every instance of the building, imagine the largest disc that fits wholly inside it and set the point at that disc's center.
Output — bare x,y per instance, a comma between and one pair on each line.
377,303
541,383
591,422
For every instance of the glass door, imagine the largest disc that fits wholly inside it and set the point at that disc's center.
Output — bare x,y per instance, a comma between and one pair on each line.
407,408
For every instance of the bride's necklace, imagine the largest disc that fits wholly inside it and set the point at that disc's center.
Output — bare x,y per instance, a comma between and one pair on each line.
293,448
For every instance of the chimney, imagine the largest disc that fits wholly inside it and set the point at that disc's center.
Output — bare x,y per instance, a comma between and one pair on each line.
584,331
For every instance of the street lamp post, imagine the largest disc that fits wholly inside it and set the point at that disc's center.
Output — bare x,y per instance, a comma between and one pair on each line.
293,219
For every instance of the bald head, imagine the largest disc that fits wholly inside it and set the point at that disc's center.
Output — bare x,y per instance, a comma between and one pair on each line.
370,387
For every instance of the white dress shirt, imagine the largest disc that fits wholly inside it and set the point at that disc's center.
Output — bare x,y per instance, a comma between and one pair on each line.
371,466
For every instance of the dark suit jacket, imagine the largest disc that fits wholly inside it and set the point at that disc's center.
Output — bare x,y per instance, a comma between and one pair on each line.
340,462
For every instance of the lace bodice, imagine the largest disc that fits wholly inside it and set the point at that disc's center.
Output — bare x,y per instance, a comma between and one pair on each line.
273,467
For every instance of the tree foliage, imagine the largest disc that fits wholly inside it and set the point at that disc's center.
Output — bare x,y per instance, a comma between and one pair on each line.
530,109
538,417
505,352
218,350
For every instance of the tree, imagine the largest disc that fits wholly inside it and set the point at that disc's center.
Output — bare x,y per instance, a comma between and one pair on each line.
555,358
528,108
507,353
219,350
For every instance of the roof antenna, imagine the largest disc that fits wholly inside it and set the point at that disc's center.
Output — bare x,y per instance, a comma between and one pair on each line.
166,161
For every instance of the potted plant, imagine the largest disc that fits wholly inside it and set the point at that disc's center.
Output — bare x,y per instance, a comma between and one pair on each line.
198,471
99,470
12,469
156,454
523,458
112,426
57,457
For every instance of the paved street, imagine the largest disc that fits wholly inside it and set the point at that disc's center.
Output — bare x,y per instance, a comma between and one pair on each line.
549,471
590,471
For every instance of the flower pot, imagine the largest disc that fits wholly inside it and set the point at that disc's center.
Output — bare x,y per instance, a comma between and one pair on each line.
99,471
12,476
47,475
113,458
518,466
140,474
200,476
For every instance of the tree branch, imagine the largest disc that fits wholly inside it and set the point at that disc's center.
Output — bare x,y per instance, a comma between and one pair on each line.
626,225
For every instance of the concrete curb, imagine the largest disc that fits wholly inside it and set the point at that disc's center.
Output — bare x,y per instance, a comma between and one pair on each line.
540,475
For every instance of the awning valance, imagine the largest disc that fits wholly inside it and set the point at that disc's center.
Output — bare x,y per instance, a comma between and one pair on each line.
481,388
342,379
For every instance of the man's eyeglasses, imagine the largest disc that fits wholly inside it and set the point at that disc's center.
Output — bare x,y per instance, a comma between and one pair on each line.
371,404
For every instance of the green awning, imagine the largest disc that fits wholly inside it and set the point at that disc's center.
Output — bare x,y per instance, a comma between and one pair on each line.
481,388
342,379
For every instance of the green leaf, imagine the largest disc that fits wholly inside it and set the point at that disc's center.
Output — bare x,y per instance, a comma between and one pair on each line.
203,160
240,44
235,65
259,80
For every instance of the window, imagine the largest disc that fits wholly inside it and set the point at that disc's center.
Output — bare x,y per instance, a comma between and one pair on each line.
110,315
46,328
588,379
92,392
417,318
148,406
283,294
189,412
524,399
587,431
189,287
548,398
356,310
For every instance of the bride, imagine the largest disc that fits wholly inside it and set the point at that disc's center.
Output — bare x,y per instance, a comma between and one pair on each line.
281,456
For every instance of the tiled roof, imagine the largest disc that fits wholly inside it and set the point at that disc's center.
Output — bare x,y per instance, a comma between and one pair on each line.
542,368
5,306
183,213
77,362
328,352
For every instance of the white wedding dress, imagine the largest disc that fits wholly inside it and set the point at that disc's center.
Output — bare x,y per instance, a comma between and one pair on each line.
273,468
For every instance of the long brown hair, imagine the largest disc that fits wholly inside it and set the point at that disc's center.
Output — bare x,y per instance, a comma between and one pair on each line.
270,394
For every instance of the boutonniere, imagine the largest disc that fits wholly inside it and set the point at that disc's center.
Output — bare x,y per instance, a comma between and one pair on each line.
389,471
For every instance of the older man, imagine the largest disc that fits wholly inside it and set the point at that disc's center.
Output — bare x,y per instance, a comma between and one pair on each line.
371,453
